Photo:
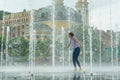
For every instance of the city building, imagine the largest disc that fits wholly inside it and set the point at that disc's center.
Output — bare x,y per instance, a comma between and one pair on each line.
65,17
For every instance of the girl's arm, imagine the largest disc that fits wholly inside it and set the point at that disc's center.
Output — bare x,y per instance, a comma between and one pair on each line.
68,44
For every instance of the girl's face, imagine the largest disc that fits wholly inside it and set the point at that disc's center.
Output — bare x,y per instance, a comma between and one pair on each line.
70,36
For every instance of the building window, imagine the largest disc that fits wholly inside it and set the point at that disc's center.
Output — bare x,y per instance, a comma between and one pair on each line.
22,33
18,33
23,26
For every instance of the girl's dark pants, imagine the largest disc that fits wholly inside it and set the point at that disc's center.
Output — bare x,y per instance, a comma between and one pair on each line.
76,53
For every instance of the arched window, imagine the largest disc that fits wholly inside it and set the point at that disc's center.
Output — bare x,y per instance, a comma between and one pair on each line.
43,15
60,14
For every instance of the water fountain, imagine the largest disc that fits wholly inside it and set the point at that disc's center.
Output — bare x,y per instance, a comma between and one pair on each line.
100,50
100,38
91,53
53,33
63,44
90,33
6,51
31,44
83,19
117,34
69,20
7,45
110,2
34,70
53,77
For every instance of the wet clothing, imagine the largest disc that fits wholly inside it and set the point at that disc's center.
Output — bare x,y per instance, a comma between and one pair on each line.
73,43
76,52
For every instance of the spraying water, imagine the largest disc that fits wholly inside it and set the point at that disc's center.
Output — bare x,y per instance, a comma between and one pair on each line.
111,33
6,53
31,44
117,45
7,39
63,44
91,53
69,20
53,77
35,43
3,36
83,19
53,33
100,39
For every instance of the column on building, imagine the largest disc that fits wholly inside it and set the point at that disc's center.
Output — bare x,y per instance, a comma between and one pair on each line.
86,11
82,7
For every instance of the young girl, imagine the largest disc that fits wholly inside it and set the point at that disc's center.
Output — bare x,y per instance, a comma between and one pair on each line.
76,45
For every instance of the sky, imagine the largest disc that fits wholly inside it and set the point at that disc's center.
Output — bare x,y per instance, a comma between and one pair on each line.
99,10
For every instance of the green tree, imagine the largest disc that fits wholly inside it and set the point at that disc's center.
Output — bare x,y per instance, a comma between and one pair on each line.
19,49
42,48
1,14
19,46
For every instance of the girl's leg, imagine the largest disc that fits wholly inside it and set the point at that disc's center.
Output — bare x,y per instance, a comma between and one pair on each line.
74,58
77,55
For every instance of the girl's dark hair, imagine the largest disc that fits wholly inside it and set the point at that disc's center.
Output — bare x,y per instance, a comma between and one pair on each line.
72,34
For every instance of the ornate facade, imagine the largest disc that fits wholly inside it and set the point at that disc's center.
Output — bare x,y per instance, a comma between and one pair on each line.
43,18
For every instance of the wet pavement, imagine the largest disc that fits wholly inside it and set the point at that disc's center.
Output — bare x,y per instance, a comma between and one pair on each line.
59,76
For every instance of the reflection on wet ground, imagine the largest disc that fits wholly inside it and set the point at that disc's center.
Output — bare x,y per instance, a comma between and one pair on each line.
60,76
